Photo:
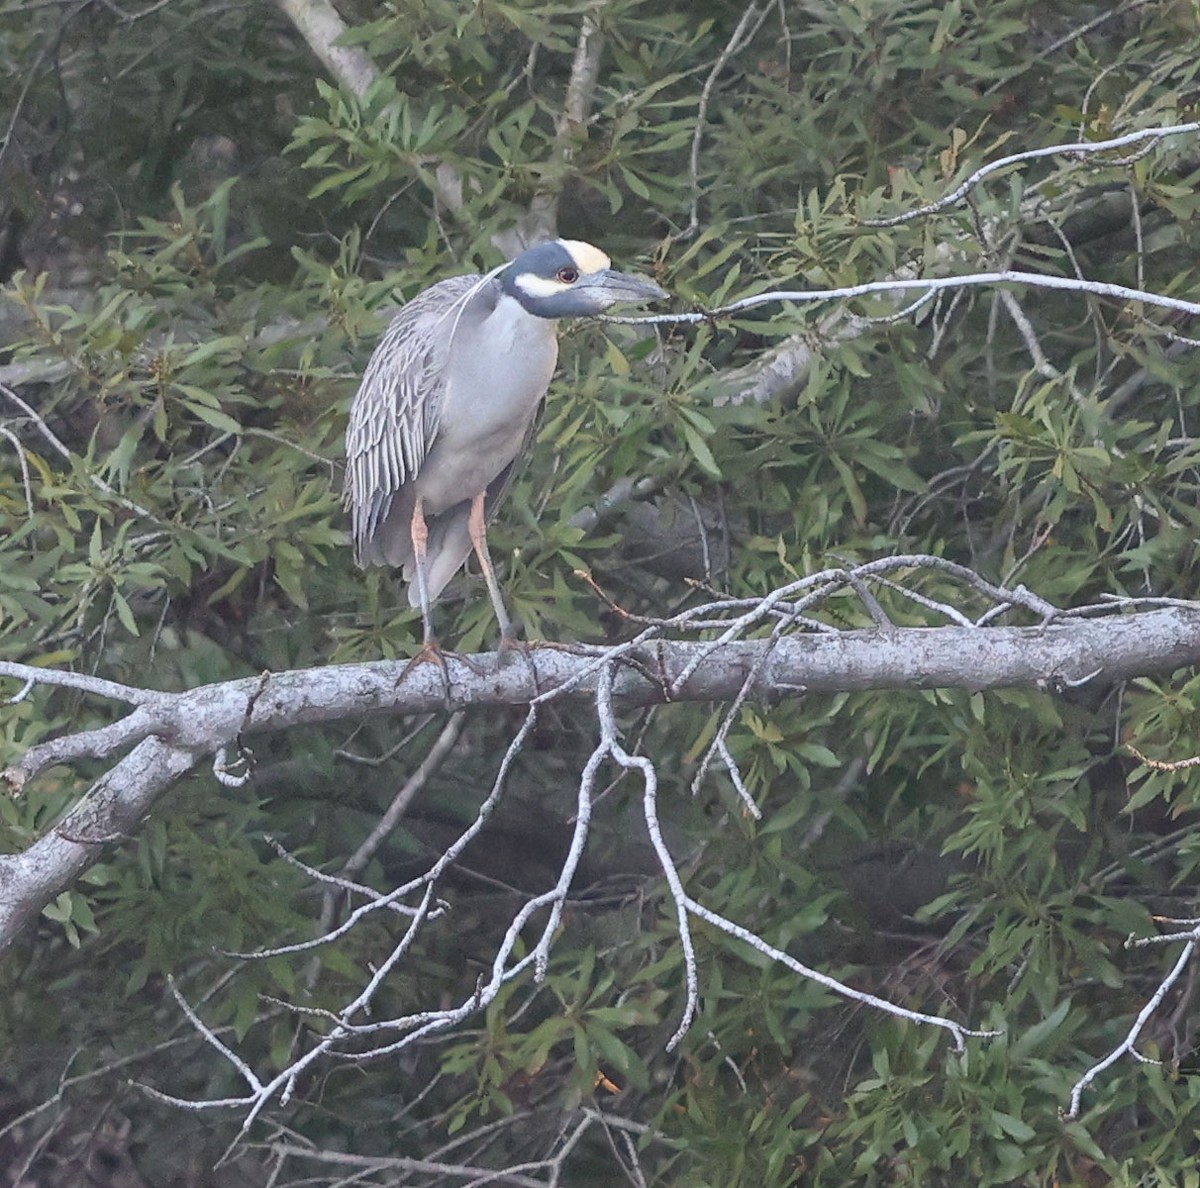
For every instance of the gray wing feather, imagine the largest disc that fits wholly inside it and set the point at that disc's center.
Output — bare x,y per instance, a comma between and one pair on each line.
395,416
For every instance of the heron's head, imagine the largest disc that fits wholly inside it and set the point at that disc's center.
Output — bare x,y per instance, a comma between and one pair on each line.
566,278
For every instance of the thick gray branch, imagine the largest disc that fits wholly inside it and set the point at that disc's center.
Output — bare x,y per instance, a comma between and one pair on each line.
319,24
108,813
172,731
570,128
975,658
169,733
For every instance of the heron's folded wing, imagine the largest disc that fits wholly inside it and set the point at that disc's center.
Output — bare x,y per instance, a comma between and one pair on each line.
395,415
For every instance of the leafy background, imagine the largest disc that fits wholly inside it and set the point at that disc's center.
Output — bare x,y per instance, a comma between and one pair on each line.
201,241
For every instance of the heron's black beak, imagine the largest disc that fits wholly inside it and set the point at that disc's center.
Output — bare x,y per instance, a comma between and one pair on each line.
609,286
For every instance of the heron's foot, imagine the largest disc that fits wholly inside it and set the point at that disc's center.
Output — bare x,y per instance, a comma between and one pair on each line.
511,638
510,644
432,652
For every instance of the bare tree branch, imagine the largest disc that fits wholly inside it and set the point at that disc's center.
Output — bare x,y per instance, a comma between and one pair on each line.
170,732
455,1171
1126,1046
212,716
741,36
318,23
1145,137
107,814
81,681
68,457
785,367
438,754
570,127
932,284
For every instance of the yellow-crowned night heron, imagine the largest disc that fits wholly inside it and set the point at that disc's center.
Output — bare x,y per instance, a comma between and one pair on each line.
447,403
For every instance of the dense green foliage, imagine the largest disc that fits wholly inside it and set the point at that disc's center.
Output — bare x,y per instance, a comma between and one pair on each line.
202,239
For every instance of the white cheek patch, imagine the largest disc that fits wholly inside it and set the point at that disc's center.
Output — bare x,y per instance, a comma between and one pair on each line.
533,285
586,257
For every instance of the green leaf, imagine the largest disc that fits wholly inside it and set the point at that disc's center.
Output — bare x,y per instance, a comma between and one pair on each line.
214,417
699,450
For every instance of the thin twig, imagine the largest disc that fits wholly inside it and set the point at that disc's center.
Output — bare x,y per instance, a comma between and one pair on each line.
1131,1037
1078,149
738,39
974,280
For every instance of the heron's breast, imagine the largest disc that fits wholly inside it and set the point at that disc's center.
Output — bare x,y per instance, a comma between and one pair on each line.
499,370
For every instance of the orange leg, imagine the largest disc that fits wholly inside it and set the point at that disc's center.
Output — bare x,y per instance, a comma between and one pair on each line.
431,651
477,527
420,543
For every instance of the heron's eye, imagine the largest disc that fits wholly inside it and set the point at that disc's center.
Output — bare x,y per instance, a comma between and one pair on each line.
568,276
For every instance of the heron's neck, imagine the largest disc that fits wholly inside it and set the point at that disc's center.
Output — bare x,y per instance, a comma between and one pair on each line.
511,326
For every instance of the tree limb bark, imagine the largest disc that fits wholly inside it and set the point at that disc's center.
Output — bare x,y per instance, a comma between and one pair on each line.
169,733
317,21
570,127
108,814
